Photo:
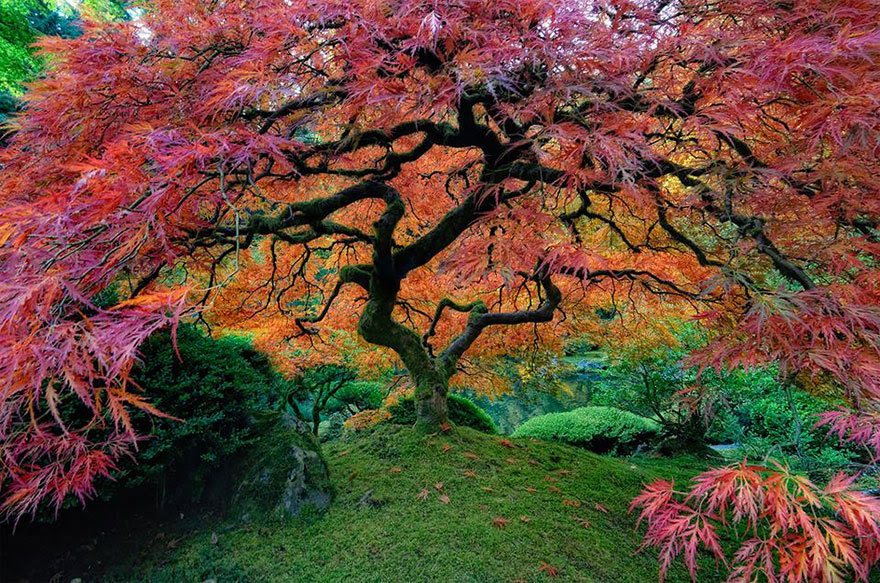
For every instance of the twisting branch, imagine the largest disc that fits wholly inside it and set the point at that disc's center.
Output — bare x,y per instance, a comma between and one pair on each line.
480,318
452,305
634,275
302,320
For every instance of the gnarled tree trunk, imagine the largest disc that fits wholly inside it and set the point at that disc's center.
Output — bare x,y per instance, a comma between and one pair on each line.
431,408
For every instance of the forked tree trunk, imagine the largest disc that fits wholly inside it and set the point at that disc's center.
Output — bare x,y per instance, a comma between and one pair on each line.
378,327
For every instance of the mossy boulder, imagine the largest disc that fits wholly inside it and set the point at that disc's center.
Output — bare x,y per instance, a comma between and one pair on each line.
283,475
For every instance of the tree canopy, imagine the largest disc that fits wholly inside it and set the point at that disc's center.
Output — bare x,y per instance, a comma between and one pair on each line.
446,181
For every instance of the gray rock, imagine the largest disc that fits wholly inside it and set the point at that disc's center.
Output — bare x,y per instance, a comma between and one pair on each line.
283,474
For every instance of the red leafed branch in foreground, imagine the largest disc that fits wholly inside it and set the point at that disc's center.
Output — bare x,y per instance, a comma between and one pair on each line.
788,529
42,456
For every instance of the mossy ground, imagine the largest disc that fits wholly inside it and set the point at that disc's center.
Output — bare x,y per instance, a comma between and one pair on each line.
380,530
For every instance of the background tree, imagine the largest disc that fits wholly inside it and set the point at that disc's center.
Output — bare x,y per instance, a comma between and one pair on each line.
453,174
318,385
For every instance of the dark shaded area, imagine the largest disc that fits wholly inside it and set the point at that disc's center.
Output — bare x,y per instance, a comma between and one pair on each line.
83,541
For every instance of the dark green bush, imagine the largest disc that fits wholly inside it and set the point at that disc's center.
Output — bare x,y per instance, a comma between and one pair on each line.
213,387
461,410
599,429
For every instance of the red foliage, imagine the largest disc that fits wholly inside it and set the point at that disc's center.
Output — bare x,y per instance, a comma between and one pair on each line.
859,428
789,529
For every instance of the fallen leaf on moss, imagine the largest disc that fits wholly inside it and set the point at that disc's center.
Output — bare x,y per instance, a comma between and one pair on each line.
500,522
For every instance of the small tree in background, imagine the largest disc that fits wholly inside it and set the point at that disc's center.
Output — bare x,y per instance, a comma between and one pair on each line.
317,387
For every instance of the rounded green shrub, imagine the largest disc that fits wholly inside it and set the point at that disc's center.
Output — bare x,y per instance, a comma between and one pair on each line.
599,429
461,410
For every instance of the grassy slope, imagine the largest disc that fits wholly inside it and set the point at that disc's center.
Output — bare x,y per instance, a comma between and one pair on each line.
399,537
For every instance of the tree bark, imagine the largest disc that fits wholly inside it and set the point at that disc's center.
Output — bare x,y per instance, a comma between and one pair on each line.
431,406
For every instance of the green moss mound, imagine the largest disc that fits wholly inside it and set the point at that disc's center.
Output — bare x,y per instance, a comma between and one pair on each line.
599,429
462,507
462,412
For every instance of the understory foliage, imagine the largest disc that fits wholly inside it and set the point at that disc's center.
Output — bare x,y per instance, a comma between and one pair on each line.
315,388
357,396
647,377
430,185
765,415
599,429
212,388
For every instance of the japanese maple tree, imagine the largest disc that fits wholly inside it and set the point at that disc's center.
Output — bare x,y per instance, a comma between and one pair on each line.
444,180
